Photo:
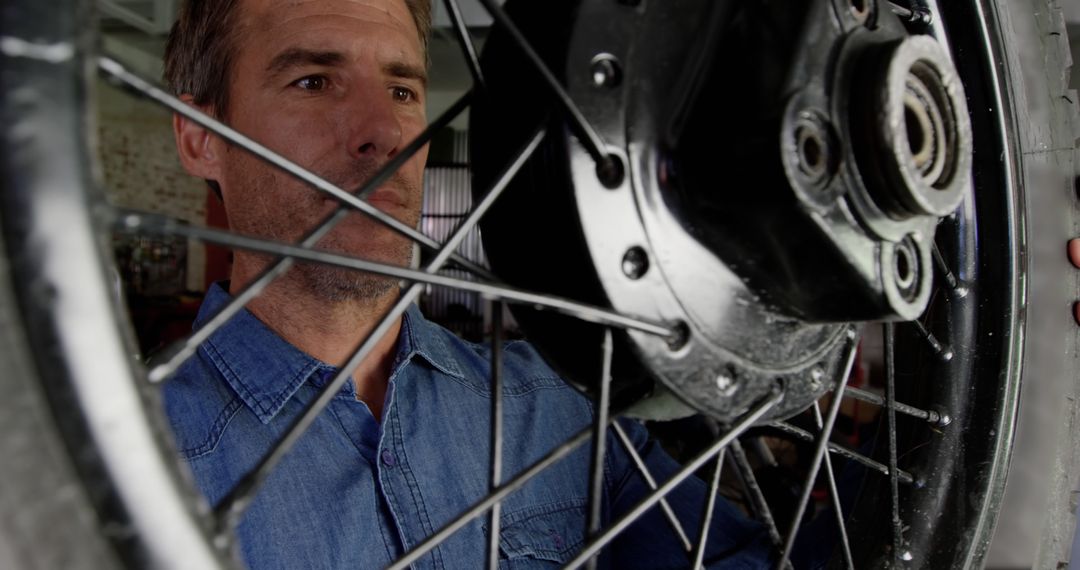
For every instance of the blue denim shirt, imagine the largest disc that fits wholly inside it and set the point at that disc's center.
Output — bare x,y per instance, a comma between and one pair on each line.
354,493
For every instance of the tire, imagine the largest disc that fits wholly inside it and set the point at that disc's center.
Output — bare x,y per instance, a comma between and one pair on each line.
81,491
1038,512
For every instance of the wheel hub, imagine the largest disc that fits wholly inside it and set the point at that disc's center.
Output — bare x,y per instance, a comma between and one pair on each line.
761,219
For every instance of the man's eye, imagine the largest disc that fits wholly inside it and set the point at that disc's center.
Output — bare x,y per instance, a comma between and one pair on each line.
311,83
403,94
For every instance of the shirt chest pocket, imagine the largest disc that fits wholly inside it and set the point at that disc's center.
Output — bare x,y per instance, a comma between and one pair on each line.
542,536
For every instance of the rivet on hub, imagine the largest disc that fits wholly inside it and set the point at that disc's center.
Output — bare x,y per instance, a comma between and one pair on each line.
725,381
635,263
606,71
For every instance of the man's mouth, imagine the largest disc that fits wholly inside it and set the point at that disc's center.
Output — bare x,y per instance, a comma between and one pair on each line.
386,197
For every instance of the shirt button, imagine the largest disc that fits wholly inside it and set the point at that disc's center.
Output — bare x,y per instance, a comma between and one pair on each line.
388,458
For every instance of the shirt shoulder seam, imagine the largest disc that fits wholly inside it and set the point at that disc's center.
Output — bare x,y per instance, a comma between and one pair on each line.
217,430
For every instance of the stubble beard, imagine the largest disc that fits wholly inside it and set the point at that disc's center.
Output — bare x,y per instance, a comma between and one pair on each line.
326,283
339,285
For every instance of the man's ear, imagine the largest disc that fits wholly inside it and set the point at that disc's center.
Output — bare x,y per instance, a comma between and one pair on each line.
200,151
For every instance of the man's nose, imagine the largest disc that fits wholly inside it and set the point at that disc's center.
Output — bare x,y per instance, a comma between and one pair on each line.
375,128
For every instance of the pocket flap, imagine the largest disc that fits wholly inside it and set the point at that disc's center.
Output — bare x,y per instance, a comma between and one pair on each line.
552,531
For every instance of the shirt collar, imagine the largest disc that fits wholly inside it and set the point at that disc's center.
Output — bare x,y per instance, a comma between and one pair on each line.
266,371
421,337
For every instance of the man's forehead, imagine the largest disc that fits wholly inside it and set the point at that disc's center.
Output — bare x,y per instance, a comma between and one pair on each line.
297,15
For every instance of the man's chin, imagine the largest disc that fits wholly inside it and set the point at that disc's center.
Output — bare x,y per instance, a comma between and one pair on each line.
337,285
340,285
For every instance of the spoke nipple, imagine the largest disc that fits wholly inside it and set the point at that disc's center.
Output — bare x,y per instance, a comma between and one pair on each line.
961,291
680,335
610,171
947,355
923,16
941,419
906,556
919,483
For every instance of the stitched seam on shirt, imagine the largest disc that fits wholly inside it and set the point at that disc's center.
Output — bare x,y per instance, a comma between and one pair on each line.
264,412
449,366
550,383
522,517
390,504
233,378
217,430
433,335
281,398
435,553
414,490
530,512
382,528
392,501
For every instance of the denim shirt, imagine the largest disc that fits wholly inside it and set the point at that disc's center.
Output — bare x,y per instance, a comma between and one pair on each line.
356,493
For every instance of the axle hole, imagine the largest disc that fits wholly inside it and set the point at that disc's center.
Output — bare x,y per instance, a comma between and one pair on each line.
917,138
811,153
903,266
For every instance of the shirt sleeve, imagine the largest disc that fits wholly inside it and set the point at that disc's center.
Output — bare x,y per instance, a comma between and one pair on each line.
735,541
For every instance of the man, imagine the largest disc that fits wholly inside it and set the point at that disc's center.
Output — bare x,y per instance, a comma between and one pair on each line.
338,86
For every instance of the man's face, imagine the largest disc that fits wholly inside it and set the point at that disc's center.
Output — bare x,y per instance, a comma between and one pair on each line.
337,86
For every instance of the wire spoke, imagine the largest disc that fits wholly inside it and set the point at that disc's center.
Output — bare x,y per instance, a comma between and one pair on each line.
117,71
904,477
950,277
834,494
496,429
757,498
585,131
819,455
890,396
943,352
600,422
707,515
468,49
688,470
643,470
236,501
182,350
930,416
915,14
492,499
151,223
